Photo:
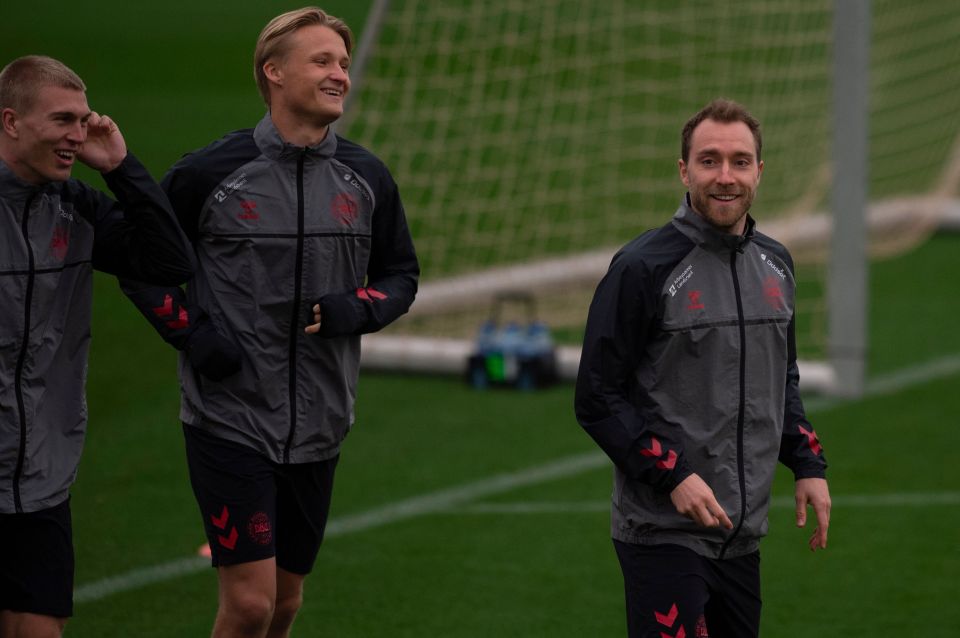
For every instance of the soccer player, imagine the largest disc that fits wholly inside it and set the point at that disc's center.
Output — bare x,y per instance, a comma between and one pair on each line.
688,381
303,246
55,231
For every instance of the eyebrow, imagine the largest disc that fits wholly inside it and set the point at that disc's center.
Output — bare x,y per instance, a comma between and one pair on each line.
59,114
714,151
330,54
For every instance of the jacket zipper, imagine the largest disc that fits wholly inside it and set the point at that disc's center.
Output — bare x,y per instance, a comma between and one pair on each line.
295,312
21,360
741,408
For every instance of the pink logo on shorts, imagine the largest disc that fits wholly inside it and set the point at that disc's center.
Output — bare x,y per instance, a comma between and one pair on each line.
259,529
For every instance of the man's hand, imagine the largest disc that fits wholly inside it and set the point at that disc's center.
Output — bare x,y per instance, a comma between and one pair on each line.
315,327
814,492
104,147
211,354
694,499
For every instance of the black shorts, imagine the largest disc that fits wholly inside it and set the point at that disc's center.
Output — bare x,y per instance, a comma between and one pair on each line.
253,508
672,590
36,562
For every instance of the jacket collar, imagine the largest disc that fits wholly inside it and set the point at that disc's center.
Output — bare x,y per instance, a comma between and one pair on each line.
268,140
14,188
706,236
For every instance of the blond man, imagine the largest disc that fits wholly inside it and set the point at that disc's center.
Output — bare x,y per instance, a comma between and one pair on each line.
303,246
55,232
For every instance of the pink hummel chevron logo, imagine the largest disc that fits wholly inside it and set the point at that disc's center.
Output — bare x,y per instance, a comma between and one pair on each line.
656,450
812,439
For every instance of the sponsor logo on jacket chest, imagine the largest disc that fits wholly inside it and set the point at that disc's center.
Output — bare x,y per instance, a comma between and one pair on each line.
230,187
353,181
776,269
681,279
693,296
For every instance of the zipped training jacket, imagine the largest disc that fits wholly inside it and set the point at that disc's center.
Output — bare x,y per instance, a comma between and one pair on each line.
278,228
689,366
53,237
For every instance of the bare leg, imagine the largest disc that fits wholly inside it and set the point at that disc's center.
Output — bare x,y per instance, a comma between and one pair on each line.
289,599
15,624
248,592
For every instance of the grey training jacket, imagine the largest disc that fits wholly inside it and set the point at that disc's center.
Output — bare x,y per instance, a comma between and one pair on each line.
278,228
689,365
53,237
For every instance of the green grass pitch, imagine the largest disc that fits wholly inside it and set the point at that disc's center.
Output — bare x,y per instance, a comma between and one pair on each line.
529,556
547,569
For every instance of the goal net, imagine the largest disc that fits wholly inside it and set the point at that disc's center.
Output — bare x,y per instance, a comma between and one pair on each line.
532,138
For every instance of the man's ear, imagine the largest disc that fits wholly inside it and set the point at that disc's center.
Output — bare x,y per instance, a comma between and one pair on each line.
683,172
273,72
9,119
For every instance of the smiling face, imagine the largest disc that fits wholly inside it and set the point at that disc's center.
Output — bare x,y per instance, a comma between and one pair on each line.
310,81
42,143
722,173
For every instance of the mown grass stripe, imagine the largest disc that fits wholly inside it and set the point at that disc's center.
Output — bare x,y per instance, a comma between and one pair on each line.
452,497
377,517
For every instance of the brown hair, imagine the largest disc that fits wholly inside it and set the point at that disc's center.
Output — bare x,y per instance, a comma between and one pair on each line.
275,38
24,77
720,110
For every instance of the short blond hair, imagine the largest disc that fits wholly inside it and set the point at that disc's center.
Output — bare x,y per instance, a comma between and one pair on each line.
274,40
22,79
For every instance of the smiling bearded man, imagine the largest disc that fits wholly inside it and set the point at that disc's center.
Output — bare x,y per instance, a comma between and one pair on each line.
688,381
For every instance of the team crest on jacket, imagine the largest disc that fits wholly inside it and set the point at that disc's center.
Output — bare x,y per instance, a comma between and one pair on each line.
344,208
60,243
772,293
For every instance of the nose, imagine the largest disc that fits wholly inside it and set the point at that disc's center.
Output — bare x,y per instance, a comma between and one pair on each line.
725,177
77,133
340,75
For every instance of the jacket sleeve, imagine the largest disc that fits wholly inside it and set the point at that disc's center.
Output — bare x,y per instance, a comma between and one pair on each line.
178,322
622,317
800,449
166,307
138,235
392,275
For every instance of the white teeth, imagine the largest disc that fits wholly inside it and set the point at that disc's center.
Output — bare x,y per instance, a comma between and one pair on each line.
67,155
726,198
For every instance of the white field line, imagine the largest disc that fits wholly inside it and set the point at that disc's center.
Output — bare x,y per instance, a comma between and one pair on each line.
456,496
377,517
903,499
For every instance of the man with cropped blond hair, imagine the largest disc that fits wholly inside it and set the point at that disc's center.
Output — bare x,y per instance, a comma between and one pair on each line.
54,231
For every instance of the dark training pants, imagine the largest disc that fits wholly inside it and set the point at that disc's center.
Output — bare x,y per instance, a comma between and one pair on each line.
673,592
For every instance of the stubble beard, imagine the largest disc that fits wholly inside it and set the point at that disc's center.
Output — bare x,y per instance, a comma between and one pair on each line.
724,221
